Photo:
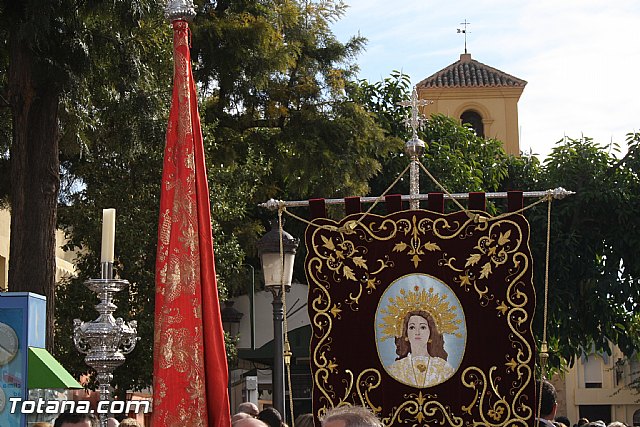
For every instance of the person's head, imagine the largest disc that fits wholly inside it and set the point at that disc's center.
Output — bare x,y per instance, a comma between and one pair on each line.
350,416
112,422
239,416
583,421
617,424
76,420
419,331
271,417
248,408
304,420
564,420
130,422
548,397
249,422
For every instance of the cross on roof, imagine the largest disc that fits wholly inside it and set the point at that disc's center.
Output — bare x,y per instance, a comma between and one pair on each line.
414,121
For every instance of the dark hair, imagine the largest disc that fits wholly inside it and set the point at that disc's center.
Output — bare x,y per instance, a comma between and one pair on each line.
547,397
435,345
271,417
304,420
564,420
68,417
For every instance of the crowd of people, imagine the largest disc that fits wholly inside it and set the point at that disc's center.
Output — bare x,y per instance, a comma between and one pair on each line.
248,415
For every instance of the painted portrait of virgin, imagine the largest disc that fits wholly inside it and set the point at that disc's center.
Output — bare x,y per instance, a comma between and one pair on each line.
420,331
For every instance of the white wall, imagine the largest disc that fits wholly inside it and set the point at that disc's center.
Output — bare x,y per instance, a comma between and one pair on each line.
298,316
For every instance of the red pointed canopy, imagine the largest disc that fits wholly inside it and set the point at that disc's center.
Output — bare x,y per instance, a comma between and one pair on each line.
190,365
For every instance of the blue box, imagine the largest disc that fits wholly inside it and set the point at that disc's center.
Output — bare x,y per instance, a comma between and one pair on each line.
23,318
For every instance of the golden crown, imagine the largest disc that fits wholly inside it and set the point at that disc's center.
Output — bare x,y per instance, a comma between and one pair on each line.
436,304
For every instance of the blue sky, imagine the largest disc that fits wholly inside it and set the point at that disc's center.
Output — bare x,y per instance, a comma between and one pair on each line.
581,58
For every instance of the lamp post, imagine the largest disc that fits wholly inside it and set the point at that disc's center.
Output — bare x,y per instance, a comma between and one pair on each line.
277,282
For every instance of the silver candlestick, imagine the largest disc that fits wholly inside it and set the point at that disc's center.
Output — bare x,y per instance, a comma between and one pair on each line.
105,340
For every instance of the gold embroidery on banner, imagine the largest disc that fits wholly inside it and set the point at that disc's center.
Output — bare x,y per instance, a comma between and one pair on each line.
165,228
185,415
417,410
168,316
368,380
161,391
179,346
415,248
341,256
176,350
189,238
173,279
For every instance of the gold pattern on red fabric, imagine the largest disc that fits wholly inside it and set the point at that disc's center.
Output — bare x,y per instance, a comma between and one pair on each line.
190,365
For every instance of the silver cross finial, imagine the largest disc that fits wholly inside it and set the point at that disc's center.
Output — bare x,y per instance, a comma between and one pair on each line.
415,120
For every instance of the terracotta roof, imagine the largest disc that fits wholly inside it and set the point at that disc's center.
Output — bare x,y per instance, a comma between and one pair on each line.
468,72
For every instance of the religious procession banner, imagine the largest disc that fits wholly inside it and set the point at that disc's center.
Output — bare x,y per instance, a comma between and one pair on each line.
423,317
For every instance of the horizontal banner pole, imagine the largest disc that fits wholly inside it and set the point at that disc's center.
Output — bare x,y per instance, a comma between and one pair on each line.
556,193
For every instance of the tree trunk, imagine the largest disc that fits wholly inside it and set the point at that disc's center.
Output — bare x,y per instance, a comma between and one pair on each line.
35,179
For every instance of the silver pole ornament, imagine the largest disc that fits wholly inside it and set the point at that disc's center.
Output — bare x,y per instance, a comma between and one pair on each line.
177,10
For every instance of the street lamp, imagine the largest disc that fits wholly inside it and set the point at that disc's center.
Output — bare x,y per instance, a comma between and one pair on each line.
231,319
278,271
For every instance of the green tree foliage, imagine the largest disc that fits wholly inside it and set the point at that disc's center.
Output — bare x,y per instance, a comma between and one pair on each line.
594,278
120,134
276,87
113,127
276,80
48,49
321,137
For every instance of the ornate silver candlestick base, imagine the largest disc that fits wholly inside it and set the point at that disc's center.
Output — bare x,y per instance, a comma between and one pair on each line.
105,340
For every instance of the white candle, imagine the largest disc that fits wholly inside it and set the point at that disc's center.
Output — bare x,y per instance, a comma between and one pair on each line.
108,234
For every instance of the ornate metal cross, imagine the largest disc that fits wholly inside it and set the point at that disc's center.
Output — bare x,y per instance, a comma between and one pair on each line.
415,120
415,146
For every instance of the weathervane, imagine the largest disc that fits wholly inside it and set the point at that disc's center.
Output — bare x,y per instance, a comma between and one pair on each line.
464,31
415,146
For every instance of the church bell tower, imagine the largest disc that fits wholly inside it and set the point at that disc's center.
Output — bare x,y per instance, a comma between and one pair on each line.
474,93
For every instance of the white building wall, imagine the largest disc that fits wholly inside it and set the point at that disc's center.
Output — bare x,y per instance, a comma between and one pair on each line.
614,390
297,316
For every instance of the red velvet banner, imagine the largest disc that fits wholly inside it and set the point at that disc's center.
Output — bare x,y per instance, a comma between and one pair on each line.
190,364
